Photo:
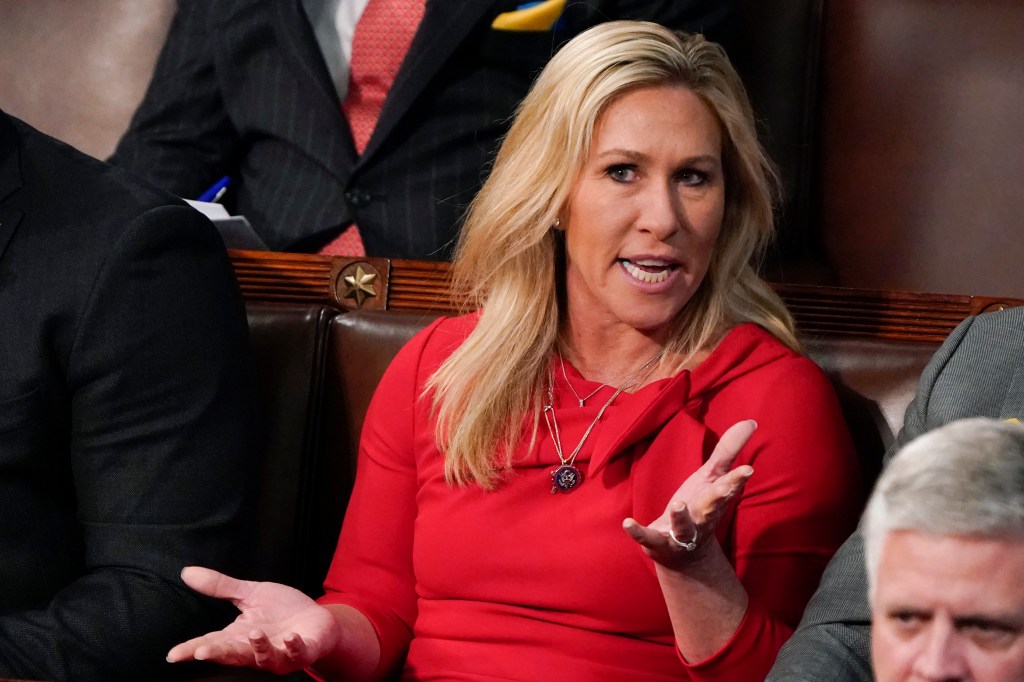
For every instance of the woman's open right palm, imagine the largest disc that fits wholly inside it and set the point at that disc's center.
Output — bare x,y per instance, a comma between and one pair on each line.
279,629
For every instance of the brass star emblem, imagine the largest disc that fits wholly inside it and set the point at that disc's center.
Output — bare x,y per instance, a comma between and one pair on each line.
359,286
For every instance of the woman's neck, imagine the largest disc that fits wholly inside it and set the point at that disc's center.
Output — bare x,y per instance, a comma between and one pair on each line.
612,358
616,357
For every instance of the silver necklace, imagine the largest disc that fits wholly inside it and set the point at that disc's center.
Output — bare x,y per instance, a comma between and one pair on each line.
590,395
566,476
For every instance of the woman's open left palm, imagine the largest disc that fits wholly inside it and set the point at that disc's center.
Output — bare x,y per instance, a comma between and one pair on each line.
693,512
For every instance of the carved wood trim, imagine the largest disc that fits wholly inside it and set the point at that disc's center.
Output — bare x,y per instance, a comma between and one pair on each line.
882,314
346,283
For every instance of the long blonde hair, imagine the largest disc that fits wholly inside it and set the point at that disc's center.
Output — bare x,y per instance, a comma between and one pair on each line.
507,256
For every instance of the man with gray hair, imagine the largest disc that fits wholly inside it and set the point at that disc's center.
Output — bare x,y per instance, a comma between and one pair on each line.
944,546
978,372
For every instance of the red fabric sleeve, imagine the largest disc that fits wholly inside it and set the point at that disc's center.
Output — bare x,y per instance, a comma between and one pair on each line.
372,568
796,510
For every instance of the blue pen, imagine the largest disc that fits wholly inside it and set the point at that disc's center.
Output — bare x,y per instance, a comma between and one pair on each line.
216,190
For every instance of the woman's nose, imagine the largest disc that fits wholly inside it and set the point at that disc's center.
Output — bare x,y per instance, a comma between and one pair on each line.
660,212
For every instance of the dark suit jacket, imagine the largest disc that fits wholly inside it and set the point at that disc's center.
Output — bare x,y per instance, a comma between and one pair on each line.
241,89
123,421
978,372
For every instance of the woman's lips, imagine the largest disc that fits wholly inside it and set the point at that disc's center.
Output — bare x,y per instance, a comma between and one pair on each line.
648,270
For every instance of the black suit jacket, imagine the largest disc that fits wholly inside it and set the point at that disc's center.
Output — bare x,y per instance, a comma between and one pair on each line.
241,89
123,418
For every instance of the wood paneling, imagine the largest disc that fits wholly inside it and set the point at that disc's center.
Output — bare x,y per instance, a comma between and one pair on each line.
346,283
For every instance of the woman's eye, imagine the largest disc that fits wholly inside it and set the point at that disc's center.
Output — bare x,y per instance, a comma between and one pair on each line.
693,178
622,173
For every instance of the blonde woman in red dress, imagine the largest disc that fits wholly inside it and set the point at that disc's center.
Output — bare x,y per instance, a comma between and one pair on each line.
620,466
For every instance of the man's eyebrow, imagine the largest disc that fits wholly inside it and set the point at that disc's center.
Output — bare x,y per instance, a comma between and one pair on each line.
903,610
999,620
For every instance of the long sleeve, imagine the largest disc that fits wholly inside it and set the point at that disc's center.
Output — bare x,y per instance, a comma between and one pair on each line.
372,569
795,511
152,400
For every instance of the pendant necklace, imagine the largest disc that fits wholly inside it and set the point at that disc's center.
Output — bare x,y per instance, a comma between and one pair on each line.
569,384
566,476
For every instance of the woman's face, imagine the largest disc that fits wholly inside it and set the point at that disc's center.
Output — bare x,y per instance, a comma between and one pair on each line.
644,215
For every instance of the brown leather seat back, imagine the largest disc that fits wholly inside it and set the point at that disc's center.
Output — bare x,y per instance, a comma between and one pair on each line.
875,381
923,146
288,345
361,346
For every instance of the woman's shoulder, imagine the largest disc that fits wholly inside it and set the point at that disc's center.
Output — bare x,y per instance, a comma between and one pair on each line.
438,339
750,354
751,332
447,333
777,367
751,344
786,392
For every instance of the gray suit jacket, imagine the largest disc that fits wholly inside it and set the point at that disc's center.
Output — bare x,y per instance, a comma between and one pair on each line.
978,371
241,89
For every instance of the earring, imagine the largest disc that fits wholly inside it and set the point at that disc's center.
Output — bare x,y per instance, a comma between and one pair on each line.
558,224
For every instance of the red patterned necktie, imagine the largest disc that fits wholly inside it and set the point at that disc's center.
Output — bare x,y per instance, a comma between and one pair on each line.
382,37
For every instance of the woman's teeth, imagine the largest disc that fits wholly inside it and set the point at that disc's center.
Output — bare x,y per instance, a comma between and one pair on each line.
648,271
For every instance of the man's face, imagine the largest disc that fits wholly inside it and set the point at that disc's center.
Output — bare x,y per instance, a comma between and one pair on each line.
948,608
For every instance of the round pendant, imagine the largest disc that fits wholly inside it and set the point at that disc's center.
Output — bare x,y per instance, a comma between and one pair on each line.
565,478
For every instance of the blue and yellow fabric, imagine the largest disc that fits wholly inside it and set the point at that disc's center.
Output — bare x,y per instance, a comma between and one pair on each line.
531,16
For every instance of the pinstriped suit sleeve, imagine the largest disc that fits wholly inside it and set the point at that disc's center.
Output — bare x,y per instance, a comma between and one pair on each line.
977,372
181,137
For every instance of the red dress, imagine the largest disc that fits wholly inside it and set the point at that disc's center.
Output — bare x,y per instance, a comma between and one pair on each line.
523,584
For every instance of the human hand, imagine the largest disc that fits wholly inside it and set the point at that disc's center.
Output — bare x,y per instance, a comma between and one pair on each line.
696,507
279,629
